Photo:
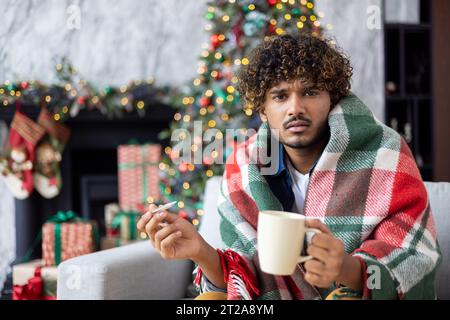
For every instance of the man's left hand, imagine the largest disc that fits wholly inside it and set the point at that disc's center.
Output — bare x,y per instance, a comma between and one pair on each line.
329,256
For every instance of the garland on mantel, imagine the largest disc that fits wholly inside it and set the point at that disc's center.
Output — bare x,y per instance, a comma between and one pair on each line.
72,94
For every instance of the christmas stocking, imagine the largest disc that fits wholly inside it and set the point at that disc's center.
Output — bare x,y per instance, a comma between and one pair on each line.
47,173
17,166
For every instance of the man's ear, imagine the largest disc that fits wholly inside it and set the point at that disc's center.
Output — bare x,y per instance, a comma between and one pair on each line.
262,114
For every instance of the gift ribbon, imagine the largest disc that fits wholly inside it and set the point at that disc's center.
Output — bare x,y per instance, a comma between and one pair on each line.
32,290
132,215
59,218
63,217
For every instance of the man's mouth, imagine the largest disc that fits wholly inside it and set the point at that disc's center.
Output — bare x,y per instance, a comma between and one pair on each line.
297,126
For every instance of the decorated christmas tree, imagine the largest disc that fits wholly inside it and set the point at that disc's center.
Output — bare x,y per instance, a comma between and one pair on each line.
211,101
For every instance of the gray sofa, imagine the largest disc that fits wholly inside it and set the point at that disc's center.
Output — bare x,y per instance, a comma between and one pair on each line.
137,271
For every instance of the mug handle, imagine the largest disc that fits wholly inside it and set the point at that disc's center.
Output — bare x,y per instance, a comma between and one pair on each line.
306,258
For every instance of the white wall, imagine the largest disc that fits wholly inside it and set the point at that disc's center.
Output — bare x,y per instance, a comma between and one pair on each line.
363,45
118,40
122,40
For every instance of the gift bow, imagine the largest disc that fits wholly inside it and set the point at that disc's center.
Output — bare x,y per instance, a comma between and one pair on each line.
32,290
62,216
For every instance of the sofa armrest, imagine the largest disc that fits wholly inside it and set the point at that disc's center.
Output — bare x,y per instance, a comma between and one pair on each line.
135,271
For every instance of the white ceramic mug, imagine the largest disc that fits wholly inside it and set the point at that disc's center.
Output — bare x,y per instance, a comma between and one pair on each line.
280,241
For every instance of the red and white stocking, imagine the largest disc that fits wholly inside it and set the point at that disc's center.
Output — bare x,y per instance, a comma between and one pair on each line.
47,173
17,167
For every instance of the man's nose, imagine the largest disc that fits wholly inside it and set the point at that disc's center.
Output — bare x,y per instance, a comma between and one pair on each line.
296,105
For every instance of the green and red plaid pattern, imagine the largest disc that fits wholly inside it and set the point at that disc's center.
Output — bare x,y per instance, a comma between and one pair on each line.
366,187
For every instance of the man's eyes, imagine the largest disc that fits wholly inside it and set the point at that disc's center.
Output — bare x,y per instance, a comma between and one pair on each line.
310,93
279,97
306,93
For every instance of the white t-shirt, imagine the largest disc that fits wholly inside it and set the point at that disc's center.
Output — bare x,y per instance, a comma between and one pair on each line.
299,187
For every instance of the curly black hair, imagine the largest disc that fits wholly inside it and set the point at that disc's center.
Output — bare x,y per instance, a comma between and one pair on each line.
287,58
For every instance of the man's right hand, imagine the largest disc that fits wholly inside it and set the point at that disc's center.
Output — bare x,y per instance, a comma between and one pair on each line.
172,236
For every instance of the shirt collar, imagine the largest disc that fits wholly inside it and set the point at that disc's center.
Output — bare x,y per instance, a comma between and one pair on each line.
281,164
281,161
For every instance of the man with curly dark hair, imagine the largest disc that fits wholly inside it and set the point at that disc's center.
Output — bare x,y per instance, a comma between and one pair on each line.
294,83
336,163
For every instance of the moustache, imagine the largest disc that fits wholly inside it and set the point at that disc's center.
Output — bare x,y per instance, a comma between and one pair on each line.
300,119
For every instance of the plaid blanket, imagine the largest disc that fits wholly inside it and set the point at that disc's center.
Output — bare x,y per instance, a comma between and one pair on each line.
366,187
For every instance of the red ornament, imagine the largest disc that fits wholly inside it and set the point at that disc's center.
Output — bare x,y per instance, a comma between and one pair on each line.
215,41
204,101
208,161
237,31
183,214
24,85
272,2
218,75
81,100
182,167
271,28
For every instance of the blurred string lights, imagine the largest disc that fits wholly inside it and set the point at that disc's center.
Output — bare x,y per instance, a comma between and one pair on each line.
72,94
235,27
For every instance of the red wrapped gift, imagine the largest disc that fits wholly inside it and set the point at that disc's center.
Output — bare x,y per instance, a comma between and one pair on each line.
66,236
31,281
138,175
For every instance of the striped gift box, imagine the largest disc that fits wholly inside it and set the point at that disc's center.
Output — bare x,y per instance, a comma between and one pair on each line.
76,238
138,175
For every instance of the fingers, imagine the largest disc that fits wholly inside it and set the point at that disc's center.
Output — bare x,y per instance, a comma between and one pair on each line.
162,234
153,225
324,241
316,280
315,267
145,218
317,224
318,253
168,242
316,274
170,217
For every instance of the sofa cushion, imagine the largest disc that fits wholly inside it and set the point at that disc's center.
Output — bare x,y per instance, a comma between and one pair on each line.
439,196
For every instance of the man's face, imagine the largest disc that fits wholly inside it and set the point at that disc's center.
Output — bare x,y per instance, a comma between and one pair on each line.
300,112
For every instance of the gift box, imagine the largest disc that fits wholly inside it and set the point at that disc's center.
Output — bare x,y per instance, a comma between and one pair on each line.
66,236
111,210
33,281
113,242
138,175
126,222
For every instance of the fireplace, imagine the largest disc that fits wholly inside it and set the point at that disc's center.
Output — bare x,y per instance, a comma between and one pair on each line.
88,167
